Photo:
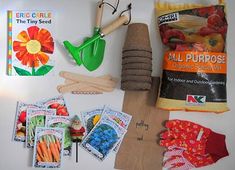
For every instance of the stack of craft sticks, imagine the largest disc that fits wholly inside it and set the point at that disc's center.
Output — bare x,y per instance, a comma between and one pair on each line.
81,84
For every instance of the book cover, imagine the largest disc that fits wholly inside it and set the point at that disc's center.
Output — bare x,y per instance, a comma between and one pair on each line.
30,43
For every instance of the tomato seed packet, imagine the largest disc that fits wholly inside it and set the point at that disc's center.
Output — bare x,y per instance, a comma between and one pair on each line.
57,103
123,119
90,118
48,147
35,118
19,132
103,138
62,122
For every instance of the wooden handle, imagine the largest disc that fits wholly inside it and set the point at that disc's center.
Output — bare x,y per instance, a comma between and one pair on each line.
99,15
114,25
88,79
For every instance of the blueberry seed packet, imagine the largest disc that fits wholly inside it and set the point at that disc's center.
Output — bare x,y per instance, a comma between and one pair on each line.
103,138
123,119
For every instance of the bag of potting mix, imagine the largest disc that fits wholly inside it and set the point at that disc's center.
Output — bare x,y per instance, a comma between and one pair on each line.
195,60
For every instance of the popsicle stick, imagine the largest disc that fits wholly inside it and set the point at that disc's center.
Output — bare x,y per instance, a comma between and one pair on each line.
76,87
87,79
82,87
106,77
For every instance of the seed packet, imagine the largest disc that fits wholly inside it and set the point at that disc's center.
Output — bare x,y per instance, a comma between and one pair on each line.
48,147
30,43
57,103
103,138
121,118
90,118
19,133
62,122
35,118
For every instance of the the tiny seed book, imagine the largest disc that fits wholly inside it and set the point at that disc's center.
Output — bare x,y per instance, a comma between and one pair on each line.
30,43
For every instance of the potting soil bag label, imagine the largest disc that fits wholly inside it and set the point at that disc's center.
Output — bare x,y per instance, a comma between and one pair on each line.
30,43
195,61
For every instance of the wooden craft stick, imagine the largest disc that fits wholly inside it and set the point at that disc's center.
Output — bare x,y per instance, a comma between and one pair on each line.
82,87
107,77
87,79
76,87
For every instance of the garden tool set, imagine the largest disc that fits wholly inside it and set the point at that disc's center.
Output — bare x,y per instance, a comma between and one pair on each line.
91,52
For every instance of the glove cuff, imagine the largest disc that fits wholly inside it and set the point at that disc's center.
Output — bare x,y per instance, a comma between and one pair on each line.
216,146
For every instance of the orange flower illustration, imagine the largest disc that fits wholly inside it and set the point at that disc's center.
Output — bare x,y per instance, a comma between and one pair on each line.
33,46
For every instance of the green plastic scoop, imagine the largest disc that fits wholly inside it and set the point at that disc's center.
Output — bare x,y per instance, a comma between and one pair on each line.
92,55
76,52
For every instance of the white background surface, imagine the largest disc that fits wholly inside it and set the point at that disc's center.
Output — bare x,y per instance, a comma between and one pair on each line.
74,21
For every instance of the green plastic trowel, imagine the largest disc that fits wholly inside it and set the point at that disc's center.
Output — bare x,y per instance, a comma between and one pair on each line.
92,55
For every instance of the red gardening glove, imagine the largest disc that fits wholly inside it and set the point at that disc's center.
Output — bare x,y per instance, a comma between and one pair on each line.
180,159
194,138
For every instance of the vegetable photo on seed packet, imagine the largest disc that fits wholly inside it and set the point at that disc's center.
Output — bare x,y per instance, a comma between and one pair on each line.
91,117
48,147
103,138
19,133
123,119
62,122
57,103
35,118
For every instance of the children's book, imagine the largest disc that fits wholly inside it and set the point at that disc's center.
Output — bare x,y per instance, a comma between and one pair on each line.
30,43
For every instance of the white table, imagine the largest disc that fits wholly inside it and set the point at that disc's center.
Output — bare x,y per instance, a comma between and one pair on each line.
74,21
